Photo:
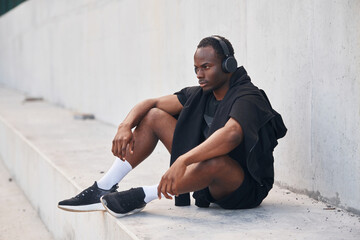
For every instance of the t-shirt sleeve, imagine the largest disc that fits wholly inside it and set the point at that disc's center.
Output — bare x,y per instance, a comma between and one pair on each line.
184,94
181,96
238,110
250,113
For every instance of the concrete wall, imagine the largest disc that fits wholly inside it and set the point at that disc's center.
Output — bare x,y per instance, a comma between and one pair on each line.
306,54
103,56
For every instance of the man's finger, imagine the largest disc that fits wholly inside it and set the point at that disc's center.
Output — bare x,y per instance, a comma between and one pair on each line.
166,190
131,147
169,190
118,149
114,148
163,191
125,146
163,188
159,190
174,191
123,151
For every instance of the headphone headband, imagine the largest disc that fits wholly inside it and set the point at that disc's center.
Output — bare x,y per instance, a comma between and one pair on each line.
229,64
223,45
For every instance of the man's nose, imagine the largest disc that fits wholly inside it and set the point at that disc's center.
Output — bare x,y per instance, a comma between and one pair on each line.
200,73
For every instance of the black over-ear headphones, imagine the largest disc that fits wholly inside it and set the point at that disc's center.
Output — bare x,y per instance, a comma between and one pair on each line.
229,64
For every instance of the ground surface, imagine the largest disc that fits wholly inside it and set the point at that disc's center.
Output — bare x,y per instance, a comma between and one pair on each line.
18,219
81,151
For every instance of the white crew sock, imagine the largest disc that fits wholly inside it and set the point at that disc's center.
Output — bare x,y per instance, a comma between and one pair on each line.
151,193
115,174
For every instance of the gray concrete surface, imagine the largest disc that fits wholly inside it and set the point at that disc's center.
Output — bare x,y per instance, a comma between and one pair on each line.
18,219
39,141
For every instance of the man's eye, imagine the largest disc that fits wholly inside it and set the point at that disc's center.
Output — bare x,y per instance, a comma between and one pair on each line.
197,69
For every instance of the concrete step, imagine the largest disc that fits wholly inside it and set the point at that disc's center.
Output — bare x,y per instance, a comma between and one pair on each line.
18,218
53,156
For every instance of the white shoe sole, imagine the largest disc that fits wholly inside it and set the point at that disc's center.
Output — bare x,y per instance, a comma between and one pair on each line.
119,215
83,208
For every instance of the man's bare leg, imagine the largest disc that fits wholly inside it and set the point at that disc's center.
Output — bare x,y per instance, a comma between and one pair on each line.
222,175
156,125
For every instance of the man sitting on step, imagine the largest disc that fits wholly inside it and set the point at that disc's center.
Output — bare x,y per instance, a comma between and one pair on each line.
220,135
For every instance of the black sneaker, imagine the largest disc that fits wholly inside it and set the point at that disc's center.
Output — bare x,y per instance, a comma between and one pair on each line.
86,201
124,203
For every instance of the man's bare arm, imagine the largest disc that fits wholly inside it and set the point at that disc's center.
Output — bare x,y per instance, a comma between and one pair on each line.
124,136
220,143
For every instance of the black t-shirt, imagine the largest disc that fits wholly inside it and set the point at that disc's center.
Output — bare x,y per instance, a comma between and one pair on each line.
210,109
209,113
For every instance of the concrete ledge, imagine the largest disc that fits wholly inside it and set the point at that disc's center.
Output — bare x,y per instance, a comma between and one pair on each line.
15,208
45,184
53,156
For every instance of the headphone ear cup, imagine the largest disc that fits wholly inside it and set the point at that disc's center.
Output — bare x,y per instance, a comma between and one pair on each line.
229,65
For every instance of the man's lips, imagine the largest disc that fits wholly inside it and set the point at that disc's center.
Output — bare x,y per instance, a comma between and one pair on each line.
202,83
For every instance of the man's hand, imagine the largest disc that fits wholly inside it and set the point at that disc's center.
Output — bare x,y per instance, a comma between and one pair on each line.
123,139
168,183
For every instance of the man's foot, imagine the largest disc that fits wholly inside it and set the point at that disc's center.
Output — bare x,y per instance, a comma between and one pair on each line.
86,201
124,203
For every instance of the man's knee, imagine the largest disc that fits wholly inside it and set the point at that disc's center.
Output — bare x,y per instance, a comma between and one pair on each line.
226,175
214,165
153,116
222,167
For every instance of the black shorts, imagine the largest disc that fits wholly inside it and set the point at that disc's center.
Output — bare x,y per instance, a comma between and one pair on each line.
249,195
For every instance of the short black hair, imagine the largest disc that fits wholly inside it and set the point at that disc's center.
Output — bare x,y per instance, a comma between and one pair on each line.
210,41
